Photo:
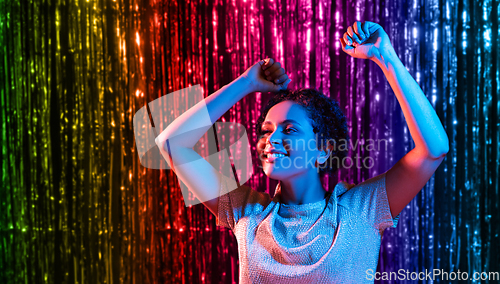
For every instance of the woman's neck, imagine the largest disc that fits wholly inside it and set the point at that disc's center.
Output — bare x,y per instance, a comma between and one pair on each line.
306,188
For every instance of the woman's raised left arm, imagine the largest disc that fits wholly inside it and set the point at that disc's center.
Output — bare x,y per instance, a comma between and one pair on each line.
410,174
424,124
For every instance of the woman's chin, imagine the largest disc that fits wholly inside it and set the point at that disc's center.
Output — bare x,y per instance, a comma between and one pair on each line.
273,170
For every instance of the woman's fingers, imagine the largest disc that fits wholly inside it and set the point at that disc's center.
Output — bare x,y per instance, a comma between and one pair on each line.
359,31
347,39
350,32
353,35
282,86
365,29
342,43
276,74
269,63
282,78
345,47
285,84
273,68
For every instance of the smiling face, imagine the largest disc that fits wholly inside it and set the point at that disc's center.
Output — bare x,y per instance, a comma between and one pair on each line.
288,129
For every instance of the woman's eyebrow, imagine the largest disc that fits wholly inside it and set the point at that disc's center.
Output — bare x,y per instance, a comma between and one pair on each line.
283,122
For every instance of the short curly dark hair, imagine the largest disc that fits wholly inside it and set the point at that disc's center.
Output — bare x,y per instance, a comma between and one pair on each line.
329,122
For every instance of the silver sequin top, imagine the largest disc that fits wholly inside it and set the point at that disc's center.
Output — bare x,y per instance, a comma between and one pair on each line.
335,240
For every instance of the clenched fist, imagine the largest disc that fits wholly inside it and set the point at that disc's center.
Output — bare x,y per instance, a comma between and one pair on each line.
266,76
365,40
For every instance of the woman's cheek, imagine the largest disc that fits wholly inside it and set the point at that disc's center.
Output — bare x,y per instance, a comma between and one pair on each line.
299,158
261,146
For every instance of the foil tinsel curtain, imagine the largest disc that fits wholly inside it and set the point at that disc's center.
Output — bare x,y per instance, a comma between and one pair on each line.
76,205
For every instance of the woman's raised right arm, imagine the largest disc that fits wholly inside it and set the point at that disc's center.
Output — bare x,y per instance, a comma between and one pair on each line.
195,120
178,139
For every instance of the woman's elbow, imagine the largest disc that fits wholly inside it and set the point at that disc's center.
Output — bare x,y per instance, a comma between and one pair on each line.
442,147
439,153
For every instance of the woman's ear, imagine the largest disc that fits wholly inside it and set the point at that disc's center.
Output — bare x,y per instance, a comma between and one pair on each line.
325,153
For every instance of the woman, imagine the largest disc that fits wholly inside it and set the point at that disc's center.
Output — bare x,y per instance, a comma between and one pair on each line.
305,234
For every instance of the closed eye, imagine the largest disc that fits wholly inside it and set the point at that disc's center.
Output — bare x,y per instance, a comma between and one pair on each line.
288,130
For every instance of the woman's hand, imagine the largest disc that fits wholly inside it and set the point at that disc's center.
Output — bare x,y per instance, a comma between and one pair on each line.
366,40
266,76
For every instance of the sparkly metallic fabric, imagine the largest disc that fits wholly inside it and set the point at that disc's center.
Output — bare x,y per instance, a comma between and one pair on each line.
335,240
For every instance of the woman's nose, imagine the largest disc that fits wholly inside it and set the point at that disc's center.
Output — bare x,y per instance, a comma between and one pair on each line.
274,138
